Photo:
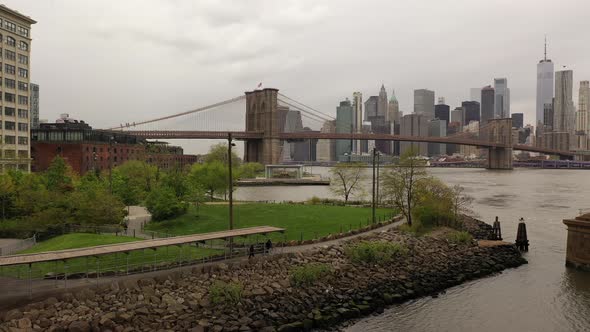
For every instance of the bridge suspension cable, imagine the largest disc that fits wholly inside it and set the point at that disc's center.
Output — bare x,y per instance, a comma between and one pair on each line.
308,107
306,113
225,102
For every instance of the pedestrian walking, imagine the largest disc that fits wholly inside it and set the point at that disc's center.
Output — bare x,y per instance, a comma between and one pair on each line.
251,251
268,246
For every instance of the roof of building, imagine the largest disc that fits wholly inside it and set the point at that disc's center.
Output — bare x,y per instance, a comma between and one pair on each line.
17,14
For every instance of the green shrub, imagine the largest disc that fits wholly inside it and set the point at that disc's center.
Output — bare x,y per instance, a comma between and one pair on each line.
314,200
375,252
222,292
417,228
309,273
163,204
460,237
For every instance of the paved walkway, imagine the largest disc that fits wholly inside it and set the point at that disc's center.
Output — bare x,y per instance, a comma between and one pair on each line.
16,292
138,216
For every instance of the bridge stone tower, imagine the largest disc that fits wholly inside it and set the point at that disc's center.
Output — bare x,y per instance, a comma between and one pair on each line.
263,115
499,131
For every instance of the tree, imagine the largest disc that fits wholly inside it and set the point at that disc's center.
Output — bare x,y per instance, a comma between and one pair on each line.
218,153
399,183
434,202
96,206
177,181
163,204
250,170
7,194
212,176
59,175
346,179
461,201
133,180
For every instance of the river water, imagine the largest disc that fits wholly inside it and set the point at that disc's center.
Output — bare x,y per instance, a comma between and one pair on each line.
543,295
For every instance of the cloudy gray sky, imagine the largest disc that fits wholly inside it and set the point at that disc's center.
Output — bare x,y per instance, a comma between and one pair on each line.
114,61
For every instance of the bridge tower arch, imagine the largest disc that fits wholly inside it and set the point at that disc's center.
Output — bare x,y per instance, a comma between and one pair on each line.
262,116
499,131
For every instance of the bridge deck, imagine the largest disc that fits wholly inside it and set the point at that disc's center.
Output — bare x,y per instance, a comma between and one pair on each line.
130,246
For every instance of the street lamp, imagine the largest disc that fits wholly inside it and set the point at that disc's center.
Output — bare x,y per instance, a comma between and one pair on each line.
111,139
231,189
373,196
377,183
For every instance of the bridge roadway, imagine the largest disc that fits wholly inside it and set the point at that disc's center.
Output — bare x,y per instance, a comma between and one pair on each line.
244,135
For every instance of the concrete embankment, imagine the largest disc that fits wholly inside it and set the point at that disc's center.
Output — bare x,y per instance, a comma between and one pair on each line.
270,301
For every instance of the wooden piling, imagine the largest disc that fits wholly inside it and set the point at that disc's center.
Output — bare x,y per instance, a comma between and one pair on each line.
522,242
497,231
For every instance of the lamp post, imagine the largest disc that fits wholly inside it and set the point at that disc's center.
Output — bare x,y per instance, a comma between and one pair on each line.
231,189
111,139
377,182
373,196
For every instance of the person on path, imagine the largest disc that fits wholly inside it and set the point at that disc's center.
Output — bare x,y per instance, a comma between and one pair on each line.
268,246
251,252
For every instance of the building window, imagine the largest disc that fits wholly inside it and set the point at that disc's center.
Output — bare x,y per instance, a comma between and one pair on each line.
9,125
23,86
23,72
10,26
9,111
23,46
9,83
9,69
23,59
10,55
9,97
10,41
23,31
23,126
23,114
23,140
23,100
9,153
9,139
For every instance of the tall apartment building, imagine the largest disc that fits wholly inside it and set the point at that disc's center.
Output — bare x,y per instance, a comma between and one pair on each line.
501,98
424,102
15,36
544,87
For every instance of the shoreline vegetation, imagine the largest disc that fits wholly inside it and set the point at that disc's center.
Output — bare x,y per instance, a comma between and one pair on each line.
318,288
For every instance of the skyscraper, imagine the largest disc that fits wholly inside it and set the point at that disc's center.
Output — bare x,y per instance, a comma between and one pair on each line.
544,86
344,119
424,102
393,109
582,120
502,98
442,112
475,94
371,106
357,105
14,107
487,104
517,120
458,115
326,148
563,107
382,104
471,109
414,125
437,128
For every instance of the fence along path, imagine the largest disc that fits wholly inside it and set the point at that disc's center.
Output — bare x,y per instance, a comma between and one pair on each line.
12,246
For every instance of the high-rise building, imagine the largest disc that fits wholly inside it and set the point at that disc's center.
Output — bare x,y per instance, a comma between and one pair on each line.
544,87
357,105
563,106
34,110
582,119
517,120
442,112
293,124
487,104
382,103
458,115
475,94
471,109
424,102
437,128
344,119
371,107
15,143
393,114
326,148
501,98
452,129
414,125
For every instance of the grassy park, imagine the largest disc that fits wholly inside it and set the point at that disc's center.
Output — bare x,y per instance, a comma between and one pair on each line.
307,221
108,263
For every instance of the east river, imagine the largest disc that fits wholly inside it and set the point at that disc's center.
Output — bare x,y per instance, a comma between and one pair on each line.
543,295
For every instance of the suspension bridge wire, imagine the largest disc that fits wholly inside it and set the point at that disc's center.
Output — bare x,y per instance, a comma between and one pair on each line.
225,102
309,107
304,111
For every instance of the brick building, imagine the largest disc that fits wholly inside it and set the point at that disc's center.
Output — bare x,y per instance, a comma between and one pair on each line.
86,149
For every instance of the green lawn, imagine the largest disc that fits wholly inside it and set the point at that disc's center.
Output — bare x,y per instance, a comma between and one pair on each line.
309,221
119,263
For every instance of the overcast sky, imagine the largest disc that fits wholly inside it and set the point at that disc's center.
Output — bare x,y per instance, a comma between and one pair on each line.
115,61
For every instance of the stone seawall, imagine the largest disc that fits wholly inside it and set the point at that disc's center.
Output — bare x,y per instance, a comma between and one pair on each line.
270,301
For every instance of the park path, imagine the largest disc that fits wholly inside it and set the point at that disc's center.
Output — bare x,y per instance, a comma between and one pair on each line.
16,292
138,216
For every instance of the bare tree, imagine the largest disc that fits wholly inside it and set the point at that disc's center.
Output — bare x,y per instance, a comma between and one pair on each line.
401,182
346,179
461,201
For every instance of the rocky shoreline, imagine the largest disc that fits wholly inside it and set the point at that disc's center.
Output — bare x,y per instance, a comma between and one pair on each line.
270,301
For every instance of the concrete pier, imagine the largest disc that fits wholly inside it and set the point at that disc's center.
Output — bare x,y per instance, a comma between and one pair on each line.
578,242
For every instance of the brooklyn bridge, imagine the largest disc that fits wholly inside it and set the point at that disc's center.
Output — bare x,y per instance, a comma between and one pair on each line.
264,133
